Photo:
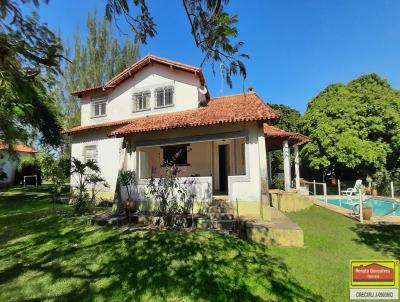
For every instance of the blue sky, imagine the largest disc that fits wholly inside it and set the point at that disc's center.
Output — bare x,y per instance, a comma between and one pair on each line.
296,47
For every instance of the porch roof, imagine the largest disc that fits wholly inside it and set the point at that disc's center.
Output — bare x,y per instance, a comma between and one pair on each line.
227,109
275,137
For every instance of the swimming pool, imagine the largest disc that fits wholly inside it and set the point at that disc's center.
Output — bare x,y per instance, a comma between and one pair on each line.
380,206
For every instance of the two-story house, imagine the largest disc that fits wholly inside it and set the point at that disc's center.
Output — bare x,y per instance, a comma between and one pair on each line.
158,108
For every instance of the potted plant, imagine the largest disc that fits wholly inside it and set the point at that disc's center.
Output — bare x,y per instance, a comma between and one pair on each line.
367,213
127,179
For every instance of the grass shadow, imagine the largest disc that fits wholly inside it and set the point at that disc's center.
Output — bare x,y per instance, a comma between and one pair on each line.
63,258
381,237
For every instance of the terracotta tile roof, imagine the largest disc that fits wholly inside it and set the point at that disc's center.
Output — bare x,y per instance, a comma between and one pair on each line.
226,109
275,137
17,148
97,126
128,72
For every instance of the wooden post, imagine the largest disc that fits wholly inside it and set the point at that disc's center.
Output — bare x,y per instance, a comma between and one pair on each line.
361,207
338,185
325,197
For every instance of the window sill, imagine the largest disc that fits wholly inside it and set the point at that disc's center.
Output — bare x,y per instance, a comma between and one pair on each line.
162,107
98,116
141,110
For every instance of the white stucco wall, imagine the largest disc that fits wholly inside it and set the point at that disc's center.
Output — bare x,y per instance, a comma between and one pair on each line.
9,165
108,154
120,104
248,187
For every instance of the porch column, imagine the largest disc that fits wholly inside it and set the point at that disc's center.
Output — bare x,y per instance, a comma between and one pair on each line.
265,212
269,167
262,158
297,166
134,162
138,164
286,164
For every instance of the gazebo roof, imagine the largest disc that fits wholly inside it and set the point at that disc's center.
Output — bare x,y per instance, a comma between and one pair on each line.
275,137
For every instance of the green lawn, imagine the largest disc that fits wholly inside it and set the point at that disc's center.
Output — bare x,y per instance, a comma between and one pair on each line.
54,257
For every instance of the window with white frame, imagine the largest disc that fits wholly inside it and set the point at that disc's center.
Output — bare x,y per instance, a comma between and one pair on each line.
90,153
164,96
141,101
99,107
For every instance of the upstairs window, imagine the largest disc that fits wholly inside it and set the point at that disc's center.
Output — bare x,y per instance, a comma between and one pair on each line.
99,107
90,153
164,97
141,101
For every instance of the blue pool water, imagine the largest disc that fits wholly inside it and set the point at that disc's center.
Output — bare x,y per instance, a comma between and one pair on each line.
380,206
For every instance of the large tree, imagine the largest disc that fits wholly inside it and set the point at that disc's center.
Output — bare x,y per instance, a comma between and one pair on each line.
28,47
211,26
29,58
355,128
93,62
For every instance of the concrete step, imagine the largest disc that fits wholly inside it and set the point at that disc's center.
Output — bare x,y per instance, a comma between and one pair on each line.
219,209
280,231
216,224
220,202
220,216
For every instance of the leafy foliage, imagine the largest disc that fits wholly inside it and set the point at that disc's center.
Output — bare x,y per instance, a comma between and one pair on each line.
289,120
355,126
171,197
93,62
54,170
127,179
85,173
28,50
97,183
211,26
28,165
278,183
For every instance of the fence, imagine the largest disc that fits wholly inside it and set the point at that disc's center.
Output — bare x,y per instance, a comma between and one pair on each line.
316,188
357,197
389,189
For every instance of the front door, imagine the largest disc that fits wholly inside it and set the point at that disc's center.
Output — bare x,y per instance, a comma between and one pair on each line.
223,171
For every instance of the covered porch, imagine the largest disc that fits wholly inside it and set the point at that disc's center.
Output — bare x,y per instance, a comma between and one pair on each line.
278,139
212,161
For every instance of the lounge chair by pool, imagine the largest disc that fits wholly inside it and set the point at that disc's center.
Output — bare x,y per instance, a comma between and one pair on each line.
351,191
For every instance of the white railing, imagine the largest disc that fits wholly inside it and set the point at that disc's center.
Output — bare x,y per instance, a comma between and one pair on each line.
200,186
315,184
